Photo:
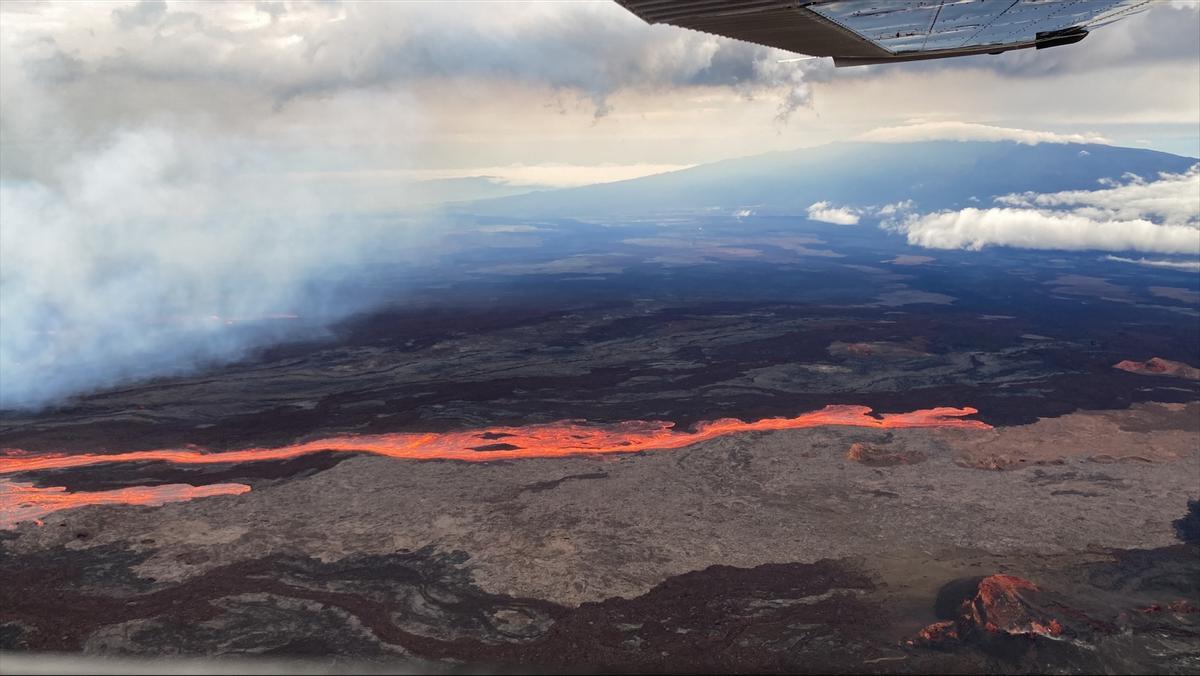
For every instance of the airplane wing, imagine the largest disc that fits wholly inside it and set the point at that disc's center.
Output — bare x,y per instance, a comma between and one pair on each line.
860,32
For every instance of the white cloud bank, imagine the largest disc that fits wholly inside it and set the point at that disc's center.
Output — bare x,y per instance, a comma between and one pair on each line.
827,213
966,131
1173,198
975,229
1161,216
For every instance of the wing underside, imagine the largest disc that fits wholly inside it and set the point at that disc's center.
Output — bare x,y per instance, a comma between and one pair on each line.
857,32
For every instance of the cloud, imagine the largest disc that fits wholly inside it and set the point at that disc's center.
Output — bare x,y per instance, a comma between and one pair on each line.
273,9
1160,216
1172,199
295,51
551,175
894,208
827,213
144,13
966,131
974,229
1192,266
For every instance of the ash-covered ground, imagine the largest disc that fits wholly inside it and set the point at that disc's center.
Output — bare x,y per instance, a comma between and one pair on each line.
1052,534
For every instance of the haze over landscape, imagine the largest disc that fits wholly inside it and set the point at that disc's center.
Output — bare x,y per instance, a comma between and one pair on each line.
529,335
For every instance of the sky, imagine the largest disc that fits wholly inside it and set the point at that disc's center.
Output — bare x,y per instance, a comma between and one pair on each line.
356,96
169,167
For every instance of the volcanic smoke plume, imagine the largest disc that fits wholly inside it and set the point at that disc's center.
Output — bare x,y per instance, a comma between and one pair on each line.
148,182
115,266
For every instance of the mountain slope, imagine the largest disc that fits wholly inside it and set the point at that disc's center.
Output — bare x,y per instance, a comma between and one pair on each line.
935,174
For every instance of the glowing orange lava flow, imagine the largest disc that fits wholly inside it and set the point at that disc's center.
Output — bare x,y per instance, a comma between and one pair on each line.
23,502
551,440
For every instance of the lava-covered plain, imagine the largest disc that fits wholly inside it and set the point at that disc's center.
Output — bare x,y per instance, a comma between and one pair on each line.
1042,523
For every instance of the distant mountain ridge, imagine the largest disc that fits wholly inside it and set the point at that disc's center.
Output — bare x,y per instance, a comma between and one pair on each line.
934,174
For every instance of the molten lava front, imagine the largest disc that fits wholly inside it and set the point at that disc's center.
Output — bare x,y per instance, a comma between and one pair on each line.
551,440
24,502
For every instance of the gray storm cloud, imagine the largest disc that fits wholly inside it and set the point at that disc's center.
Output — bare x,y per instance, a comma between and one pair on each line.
299,50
